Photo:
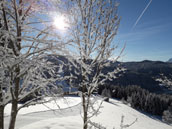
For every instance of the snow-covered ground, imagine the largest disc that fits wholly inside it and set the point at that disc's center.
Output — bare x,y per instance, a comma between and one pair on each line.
59,103
70,118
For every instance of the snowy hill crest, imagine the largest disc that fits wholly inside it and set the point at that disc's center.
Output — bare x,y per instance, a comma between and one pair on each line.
170,60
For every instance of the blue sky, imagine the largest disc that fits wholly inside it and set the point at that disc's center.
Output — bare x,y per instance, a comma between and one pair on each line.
151,38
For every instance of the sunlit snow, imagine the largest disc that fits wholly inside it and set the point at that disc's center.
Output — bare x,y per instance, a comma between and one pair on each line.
70,118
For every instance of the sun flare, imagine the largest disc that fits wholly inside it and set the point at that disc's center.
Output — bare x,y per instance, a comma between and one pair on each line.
60,23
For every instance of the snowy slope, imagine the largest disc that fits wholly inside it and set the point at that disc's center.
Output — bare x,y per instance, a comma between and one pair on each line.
60,103
70,118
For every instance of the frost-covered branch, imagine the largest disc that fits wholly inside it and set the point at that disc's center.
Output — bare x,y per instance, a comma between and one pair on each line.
93,27
25,70
165,81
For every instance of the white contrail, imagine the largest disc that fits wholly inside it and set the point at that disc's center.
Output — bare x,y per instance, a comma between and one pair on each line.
141,14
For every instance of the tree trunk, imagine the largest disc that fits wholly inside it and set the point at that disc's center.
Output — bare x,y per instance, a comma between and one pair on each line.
13,114
84,111
1,117
85,120
14,109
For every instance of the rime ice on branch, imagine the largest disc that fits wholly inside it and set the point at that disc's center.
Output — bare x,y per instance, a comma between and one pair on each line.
26,40
94,25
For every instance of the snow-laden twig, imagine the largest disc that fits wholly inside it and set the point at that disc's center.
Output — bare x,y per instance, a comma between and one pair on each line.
27,40
93,27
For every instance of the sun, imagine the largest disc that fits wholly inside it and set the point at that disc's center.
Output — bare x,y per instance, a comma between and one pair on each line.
60,22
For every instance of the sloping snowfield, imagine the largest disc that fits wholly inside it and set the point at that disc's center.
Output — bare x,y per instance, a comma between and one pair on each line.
68,116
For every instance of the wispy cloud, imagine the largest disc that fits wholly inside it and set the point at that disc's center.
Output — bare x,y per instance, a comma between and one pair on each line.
143,33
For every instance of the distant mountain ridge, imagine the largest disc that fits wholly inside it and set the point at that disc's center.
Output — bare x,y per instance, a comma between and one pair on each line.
141,73
170,60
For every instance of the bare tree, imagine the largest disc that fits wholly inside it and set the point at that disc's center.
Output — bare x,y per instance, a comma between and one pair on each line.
26,40
94,25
